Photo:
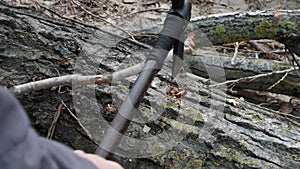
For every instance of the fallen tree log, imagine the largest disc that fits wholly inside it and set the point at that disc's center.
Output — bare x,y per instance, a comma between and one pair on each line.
282,25
290,85
35,46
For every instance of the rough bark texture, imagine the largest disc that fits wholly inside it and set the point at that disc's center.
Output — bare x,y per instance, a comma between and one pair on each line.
283,26
199,63
34,46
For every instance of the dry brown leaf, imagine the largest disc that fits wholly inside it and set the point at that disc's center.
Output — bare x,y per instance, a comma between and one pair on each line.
275,45
276,14
286,108
176,92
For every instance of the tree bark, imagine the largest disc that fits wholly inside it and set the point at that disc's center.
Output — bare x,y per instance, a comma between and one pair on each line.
200,63
282,25
219,134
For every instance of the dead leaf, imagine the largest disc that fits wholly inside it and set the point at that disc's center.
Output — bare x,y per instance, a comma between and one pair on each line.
275,45
271,56
176,92
286,108
276,14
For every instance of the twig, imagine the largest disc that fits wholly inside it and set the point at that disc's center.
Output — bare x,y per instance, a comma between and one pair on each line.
80,79
105,20
146,10
198,78
284,4
236,51
283,77
294,61
254,44
86,25
80,124
254,77
56,81
54,122
256,52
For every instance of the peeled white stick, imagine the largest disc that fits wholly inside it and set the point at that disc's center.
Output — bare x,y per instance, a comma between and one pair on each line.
80,79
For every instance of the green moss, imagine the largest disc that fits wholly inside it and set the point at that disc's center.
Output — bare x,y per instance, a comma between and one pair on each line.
156,149
236,73
172,104
146,111
287,128
287,26
224,36
252,162
229,154
216,163
194,164
232,154
181,126
240,34
295,157
123,88
194,114
124,49
266,29
245,35
174,159
221,33
250,20
227,74
258,61
267,166
258,118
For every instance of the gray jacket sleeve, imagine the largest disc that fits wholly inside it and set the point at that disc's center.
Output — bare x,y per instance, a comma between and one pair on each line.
22,148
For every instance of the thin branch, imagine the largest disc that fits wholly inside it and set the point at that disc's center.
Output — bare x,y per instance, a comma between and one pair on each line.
80,79
253,77
57,81
236,51
198,78
78,121
280,80
54,122
146,10
105,20
86,25
294,61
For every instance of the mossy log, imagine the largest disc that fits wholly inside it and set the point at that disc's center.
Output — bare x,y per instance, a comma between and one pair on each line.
34,46
290,85
281,25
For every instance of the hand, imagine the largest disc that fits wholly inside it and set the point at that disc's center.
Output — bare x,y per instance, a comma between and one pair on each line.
99,162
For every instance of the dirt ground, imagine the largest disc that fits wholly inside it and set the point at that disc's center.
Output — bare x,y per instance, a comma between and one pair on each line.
126,12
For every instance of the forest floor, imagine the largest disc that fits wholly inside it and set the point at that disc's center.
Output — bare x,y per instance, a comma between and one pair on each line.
119,12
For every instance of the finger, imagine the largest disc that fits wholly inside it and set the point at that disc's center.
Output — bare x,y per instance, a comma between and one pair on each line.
79,152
